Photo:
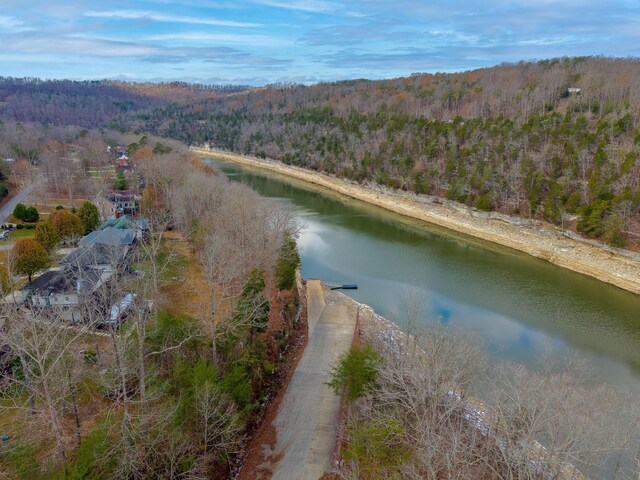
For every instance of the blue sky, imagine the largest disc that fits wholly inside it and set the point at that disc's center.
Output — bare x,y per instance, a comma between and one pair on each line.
265,41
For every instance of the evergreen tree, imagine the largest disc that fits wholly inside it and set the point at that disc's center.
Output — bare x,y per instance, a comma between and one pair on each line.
287,263
121,182
90,217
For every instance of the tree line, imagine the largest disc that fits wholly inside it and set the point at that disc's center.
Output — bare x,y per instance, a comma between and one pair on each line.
93,103
512,138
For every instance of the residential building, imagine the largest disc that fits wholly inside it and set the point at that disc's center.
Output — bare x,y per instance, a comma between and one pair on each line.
116,203
109,236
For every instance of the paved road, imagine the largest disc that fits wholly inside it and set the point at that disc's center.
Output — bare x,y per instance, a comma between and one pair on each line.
18,198
308,418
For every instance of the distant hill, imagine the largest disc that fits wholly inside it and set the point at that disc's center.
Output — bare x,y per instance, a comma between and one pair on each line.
92,103
556,139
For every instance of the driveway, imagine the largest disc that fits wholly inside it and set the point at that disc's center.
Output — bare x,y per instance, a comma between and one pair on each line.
19,197
308,418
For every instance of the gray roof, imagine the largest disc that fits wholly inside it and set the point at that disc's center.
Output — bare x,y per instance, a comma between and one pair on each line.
109,236
58,282
95,254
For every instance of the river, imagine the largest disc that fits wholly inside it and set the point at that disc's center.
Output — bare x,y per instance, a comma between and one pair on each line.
523,308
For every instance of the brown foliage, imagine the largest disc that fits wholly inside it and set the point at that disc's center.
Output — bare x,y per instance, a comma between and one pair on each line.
29,257
67,226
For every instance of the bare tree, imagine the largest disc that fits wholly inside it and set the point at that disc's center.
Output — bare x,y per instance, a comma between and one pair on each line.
43,341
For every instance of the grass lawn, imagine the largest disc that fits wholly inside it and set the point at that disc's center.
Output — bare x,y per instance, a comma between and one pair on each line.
17,235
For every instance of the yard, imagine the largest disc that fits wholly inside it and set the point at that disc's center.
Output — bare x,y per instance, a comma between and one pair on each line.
17,235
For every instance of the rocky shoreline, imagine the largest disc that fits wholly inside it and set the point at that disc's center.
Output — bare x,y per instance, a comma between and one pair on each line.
538,239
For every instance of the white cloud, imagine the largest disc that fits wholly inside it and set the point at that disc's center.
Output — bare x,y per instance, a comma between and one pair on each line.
313,6
12,24
160,17
229,38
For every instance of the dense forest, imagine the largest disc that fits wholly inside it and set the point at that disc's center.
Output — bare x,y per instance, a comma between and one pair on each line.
556,139
92,103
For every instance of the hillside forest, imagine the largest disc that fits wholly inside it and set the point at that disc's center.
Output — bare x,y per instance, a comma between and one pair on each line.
556,140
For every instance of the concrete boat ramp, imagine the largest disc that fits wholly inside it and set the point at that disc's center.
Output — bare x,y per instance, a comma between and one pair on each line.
307,421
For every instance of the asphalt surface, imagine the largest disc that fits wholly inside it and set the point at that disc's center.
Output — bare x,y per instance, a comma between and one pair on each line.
308,418
19,197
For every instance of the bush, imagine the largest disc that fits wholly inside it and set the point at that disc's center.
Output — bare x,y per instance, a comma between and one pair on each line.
19,211
356,371
31,215
4,191
19,226
59,207
378,448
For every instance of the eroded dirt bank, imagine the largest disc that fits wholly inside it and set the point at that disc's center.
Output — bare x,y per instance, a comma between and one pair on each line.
535,238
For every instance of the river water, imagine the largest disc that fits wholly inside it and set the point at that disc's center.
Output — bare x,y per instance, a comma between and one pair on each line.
522,308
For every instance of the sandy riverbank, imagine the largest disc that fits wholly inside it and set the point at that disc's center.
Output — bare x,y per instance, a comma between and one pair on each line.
534,238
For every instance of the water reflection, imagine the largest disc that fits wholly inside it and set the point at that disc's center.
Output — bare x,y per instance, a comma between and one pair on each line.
522,307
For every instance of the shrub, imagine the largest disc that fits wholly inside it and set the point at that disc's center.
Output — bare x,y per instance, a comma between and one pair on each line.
19,211
4,191
31,215
356,371
378,448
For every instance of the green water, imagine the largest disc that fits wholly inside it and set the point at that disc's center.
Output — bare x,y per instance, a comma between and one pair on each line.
520,306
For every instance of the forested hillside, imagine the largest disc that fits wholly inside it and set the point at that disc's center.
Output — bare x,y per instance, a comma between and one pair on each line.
556,139
92,103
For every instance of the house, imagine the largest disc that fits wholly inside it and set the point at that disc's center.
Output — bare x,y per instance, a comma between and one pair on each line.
115,203
138,224
63,291
123,164
97,256
109,236
82,274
